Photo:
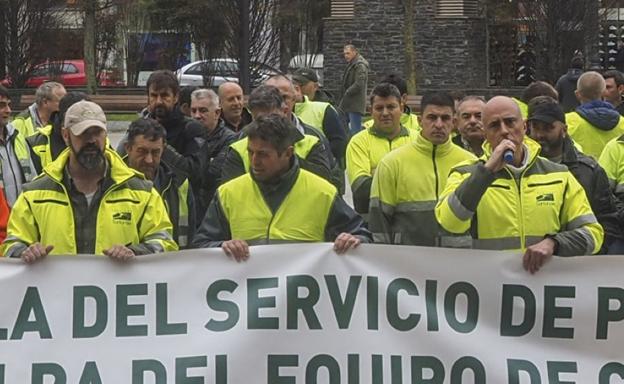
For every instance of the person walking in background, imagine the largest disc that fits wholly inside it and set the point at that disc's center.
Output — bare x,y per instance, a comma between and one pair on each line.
354,81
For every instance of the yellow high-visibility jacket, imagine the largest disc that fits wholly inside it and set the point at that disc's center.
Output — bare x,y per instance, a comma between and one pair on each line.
508,212
591,138
405,190
131,212
364,152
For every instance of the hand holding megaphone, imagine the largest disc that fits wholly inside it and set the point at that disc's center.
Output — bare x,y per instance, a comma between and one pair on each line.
502,154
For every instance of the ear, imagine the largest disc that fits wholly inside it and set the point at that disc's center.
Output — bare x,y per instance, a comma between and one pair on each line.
65,134
290,151
578,95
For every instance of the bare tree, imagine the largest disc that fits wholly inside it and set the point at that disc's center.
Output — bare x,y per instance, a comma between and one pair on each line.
300,27
25,26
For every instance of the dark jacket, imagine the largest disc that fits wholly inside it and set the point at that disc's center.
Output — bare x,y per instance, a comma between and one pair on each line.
354,82
167,183
245,119
203,168
600,114
566,85
215,229
184,134
596,185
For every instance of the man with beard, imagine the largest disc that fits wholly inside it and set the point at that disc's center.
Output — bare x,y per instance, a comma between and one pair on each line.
469,124
546,125
184,134
88,201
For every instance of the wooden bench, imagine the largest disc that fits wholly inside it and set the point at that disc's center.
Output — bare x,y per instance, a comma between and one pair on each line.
413,101
109,103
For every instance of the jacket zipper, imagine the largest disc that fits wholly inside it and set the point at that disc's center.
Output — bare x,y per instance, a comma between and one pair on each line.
435,172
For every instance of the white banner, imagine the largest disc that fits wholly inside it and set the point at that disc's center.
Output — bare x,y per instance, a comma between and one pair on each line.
302,314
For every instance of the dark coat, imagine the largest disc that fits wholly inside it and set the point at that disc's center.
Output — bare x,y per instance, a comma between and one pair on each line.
354,83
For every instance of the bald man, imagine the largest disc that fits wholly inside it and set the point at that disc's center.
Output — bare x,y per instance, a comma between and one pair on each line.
595,122
514,200
234,115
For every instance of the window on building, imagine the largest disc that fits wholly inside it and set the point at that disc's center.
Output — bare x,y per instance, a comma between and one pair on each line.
342,9
457,8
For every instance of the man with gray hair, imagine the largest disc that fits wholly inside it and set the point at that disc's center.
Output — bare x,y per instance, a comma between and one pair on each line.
595,122
310,151
203,168
39,114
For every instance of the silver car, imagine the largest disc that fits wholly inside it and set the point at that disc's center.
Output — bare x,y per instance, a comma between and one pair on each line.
219,71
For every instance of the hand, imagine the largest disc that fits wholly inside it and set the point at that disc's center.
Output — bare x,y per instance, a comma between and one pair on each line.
35,252
238,249
119,253
344,242
496,162
538,254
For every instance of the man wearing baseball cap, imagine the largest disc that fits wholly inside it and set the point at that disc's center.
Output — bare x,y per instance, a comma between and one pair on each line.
88,201
319,114
546,124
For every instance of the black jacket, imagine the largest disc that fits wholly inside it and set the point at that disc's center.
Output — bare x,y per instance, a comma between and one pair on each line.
167,183
596,184
566,85
203,168
215,228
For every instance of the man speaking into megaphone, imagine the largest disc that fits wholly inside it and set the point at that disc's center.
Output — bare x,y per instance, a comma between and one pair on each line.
512,199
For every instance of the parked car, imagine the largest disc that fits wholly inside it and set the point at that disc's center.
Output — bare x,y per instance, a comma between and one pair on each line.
222,70
70,73
314,61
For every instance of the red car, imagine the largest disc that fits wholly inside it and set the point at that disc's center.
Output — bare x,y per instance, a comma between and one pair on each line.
70,73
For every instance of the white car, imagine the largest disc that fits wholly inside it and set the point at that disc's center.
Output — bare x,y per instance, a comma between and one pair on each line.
221,71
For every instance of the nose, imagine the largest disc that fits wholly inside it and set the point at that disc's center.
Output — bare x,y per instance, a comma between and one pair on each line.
149,159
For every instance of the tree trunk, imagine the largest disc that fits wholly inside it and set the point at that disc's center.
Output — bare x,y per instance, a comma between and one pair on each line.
410,51
89,45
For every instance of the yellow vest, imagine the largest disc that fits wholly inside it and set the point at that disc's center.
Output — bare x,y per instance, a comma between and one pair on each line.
302,148
312,113
302,216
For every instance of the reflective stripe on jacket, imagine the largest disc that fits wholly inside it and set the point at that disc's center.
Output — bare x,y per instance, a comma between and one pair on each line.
405,190
130,212
503,213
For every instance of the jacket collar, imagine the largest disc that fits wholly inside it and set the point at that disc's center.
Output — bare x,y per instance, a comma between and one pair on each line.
283,183
532,145
373,131
426,146
119,171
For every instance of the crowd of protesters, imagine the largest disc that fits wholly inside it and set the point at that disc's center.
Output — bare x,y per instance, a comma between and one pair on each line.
542,174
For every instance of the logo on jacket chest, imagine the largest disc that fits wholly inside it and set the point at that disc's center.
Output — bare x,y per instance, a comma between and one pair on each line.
122,217
545,199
